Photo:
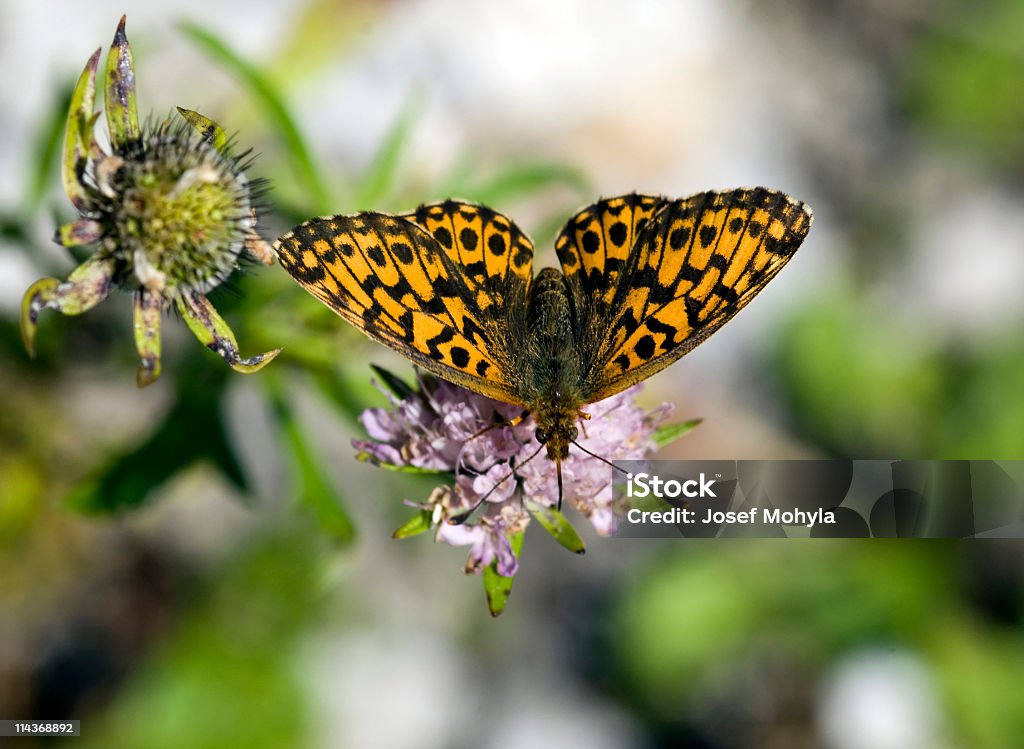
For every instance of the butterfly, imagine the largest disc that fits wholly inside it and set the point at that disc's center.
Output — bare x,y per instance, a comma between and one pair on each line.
643,280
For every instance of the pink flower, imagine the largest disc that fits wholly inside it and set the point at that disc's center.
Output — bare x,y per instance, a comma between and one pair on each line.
444,427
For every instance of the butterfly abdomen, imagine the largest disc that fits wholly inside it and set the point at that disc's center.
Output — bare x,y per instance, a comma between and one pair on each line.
550,362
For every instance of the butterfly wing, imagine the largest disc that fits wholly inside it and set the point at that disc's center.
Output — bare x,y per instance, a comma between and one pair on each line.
597,242
435,284
682,270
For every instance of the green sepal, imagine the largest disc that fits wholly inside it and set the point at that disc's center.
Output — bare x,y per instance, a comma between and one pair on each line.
119,90
76,140
146,309
419,523
88,285
558,525
669,433
77,233
212,133
498,587
214,333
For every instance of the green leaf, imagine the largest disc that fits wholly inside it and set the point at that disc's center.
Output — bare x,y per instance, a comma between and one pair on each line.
393,382
669,433
419,523
558,525
380,177
311,487
193,430
274,108
498,587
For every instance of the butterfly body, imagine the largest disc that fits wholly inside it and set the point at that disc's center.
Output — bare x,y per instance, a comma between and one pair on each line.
547,360
643,280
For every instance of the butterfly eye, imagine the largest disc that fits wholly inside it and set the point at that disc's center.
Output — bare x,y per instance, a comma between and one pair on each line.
541,435
573,433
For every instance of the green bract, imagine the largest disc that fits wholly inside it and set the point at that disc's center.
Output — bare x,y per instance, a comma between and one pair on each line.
169,210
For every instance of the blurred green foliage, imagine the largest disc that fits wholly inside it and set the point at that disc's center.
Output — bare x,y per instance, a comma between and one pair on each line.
859,386
724,608
963,81
232,684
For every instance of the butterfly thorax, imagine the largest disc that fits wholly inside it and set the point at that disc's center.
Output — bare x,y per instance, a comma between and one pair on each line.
551,366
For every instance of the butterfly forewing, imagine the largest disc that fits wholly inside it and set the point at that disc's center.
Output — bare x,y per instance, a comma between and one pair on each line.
430,284
693,265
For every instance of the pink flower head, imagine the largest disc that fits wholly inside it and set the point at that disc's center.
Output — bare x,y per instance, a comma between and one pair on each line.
496,466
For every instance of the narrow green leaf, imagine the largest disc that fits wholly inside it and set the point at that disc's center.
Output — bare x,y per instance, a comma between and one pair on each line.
669,433
558,525
266,94
497,587
419,523
380,177
393,382
311,487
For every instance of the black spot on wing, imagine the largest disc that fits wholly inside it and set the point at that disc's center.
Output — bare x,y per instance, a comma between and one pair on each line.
469,238
617,233
442,235
459,356
496,244
679,237
645,347
402,251
707,235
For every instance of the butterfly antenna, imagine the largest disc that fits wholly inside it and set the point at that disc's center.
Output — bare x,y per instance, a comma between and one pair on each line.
594,455
462,517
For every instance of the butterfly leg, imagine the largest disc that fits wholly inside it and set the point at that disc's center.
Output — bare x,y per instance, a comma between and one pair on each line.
517,420
584,418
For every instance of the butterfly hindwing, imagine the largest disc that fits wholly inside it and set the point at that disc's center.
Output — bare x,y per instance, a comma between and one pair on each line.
438,299
595,244
693,264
